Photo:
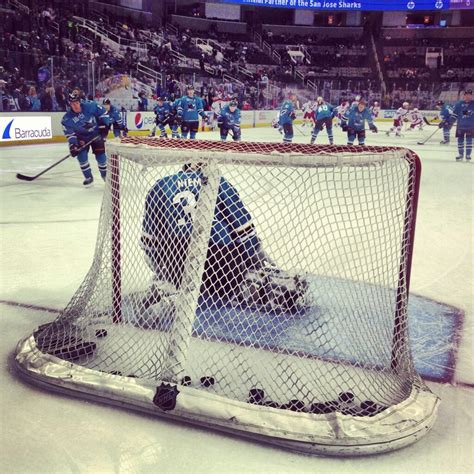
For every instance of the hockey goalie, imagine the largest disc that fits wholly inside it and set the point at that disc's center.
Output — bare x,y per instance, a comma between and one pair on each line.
237,270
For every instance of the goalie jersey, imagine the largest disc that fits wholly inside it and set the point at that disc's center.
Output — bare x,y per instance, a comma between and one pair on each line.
170,206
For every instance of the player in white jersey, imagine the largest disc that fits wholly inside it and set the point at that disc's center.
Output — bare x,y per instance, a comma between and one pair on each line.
216,108
355,102
308,114
341,109
375,110
416,119
276,122
401,115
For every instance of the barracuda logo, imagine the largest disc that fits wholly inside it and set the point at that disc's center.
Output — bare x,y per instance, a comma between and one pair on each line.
25,127
6,132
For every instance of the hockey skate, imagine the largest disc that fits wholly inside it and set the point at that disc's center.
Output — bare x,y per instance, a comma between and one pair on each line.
88,182
459,158
444,142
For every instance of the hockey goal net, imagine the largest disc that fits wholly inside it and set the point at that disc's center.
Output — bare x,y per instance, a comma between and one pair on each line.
306,347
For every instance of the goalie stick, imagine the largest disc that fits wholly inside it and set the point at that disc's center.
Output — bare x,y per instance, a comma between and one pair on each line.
25,177
426,139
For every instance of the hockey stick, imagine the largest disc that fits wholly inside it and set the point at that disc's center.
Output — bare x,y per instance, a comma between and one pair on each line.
301,131
426,139
24,177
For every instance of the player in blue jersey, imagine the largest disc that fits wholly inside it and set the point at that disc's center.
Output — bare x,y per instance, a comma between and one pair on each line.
190,108
287,116
446,120
81,123
323,115
116,119
353,122
463,114
174,125
163,116
229,120
235,258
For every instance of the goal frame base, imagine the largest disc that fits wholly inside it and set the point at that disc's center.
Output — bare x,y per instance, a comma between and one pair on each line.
331,434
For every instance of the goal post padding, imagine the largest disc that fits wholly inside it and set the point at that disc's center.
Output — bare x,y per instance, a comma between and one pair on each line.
335,375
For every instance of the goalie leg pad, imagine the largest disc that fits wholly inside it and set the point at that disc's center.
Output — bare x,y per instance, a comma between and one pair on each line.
272,289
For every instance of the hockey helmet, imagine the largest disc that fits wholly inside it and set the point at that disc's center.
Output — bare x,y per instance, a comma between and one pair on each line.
106,101
74,97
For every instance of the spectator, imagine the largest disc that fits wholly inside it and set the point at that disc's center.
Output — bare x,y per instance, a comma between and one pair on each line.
34,100
46,100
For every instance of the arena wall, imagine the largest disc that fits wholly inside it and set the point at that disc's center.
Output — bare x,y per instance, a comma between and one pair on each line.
140,123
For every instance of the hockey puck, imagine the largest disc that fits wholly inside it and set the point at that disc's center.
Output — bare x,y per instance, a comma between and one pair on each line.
256,396
101,333
72,353
207,381
320,408
186,381
272,404
294,405
346,397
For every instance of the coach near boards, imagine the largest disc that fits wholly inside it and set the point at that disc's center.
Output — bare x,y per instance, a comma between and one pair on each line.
86,124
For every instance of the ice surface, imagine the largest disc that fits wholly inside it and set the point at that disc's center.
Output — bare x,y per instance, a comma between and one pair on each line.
48,234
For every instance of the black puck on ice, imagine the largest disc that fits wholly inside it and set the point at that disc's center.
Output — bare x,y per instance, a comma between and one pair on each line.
271,404
319,408
369,408
346,397
207,381
186,381
101,333
256,396
294,405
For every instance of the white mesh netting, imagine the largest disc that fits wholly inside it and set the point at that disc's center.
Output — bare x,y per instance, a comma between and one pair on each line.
264,274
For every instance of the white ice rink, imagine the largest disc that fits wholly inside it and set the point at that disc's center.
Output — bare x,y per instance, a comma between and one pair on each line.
48,234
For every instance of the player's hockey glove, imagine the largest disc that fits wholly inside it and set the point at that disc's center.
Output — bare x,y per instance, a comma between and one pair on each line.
74,149
344,127
220,121
103,130
178,120
374,129
292,116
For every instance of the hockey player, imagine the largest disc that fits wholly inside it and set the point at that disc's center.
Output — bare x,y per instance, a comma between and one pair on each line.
463,113
216,108
236,269
308,114
354,123
341,109
416,119
162,111
190,108
446,120
401,115
174,121
229,120
286,117
81,123
375,110
115,119
323,115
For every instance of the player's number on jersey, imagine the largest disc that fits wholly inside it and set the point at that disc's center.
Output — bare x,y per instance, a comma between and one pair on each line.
187,201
